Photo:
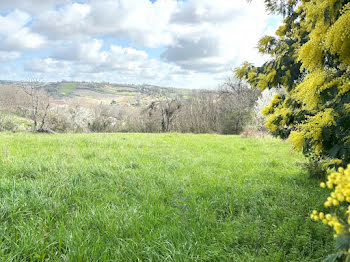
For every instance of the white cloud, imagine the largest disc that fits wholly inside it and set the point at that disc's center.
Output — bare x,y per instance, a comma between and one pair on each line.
215,35
140,20
200,39
15,35
68,22
197,12
87,57
87,50
32,6
47,65
13,22
22,40
8,56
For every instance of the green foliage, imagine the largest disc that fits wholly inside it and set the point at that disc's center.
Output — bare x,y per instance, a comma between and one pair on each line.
155,197
7,124
310,60
284,7
316,167
98,126
334,257
236,121
13,123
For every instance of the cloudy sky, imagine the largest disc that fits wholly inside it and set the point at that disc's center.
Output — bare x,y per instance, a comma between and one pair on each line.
188,43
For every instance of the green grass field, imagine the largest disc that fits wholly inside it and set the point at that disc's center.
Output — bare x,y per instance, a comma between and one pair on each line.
67,88
161,197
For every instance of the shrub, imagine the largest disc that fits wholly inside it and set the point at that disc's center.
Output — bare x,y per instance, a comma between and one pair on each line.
316,167
339,217
7,123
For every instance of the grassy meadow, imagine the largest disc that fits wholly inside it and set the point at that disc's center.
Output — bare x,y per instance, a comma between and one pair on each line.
67,88
156,197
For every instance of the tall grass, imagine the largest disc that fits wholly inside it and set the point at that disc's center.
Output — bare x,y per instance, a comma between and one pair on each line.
156,197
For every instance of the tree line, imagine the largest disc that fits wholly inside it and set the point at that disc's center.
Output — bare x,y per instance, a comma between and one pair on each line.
231,108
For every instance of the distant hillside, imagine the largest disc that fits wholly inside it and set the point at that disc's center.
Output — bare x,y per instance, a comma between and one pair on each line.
72,89
107,92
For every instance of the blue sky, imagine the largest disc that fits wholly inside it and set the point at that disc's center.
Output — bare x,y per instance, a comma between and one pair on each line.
192,43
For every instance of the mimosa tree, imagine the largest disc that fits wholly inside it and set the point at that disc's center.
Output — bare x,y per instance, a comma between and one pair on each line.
310,60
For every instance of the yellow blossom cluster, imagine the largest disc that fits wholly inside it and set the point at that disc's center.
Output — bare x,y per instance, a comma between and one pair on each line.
337,39
270,123
314,124
312,129
342,83
329,220
275,102
280,113
241,71
264,44
311,54
329,31
308,90
340,181
297,140
264,80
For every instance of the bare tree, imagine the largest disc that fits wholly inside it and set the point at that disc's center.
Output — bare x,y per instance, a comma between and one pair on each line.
8,97
199,113
37,103
239,91
168,109
237,101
